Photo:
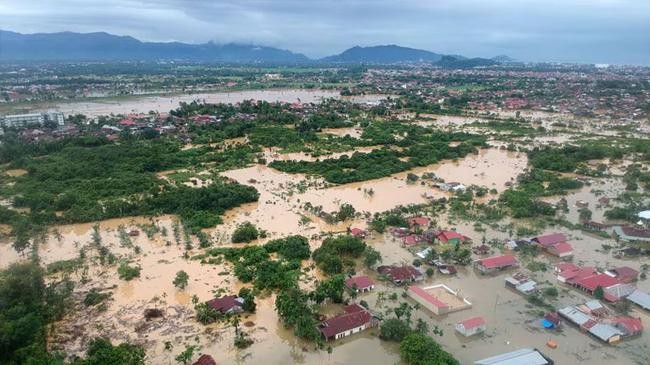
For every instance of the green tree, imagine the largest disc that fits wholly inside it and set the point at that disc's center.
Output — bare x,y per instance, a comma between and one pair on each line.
420,349
249,299
599,292
393,329
244,233
186,355
181,280
371,257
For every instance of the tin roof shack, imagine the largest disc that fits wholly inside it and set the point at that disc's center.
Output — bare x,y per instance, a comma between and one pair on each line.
471,326
439,299
354,320
227,304
526,356
602,331
412,240
521,283
623,274
594,226
360,284
640,298
401,274
495,263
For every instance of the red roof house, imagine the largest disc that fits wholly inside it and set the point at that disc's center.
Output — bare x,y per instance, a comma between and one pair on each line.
562,249
358,232
355,319
227,304
434,304
624,274
401,274
360,284
590,283
450,237
411,240
550,239
495,263
471,326
205,360
630,326
418,221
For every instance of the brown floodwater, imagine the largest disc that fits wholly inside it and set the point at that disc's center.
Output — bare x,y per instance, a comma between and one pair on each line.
165,103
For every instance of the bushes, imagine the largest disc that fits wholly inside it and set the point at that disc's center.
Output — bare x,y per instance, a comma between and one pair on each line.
126,272
94,297
181,279
290,248
394,329
244,233
420,349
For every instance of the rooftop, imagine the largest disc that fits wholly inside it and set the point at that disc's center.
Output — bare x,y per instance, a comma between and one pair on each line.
498,261
526,356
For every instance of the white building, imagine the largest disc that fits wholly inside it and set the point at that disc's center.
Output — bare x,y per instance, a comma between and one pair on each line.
26,120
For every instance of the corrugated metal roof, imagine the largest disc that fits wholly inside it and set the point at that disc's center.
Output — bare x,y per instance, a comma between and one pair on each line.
525,356
574,315
605,331
640,298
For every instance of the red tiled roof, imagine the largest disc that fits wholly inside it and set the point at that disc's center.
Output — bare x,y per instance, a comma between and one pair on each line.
357,232
579,274
634,232
566,266
359,282
428,297
354,316
562,247
449,235
550,239
205,360
473,322
410,240
400,273
625,272
592,282
632,325
498,261
420,221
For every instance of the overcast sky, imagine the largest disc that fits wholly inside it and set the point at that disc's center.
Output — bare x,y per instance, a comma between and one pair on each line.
598,31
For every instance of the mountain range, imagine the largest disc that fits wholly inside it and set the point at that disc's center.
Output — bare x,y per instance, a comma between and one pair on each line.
100,46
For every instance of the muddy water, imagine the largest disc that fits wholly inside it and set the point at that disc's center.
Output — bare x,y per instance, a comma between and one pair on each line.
166,103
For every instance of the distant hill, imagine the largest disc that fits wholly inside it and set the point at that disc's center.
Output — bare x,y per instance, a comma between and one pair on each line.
382,54
503,59
69,46
454,62
104,46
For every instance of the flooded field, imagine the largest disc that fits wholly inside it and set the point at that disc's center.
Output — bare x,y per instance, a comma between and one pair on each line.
512,322
166,103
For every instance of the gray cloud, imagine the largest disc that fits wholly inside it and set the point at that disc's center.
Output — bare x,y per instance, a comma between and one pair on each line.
607,31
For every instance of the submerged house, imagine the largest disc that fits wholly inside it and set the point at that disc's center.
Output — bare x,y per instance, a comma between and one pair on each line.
640,298
451,237
495,263
556,244
354,320
526,356
360,284
227,304
401,274
471,326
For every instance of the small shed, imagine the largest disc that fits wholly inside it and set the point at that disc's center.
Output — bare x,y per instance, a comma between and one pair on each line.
471,326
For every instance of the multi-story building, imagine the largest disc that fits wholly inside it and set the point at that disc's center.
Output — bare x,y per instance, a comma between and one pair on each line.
25,120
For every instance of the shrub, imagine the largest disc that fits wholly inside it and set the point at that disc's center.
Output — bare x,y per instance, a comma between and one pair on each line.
245,233
126,272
